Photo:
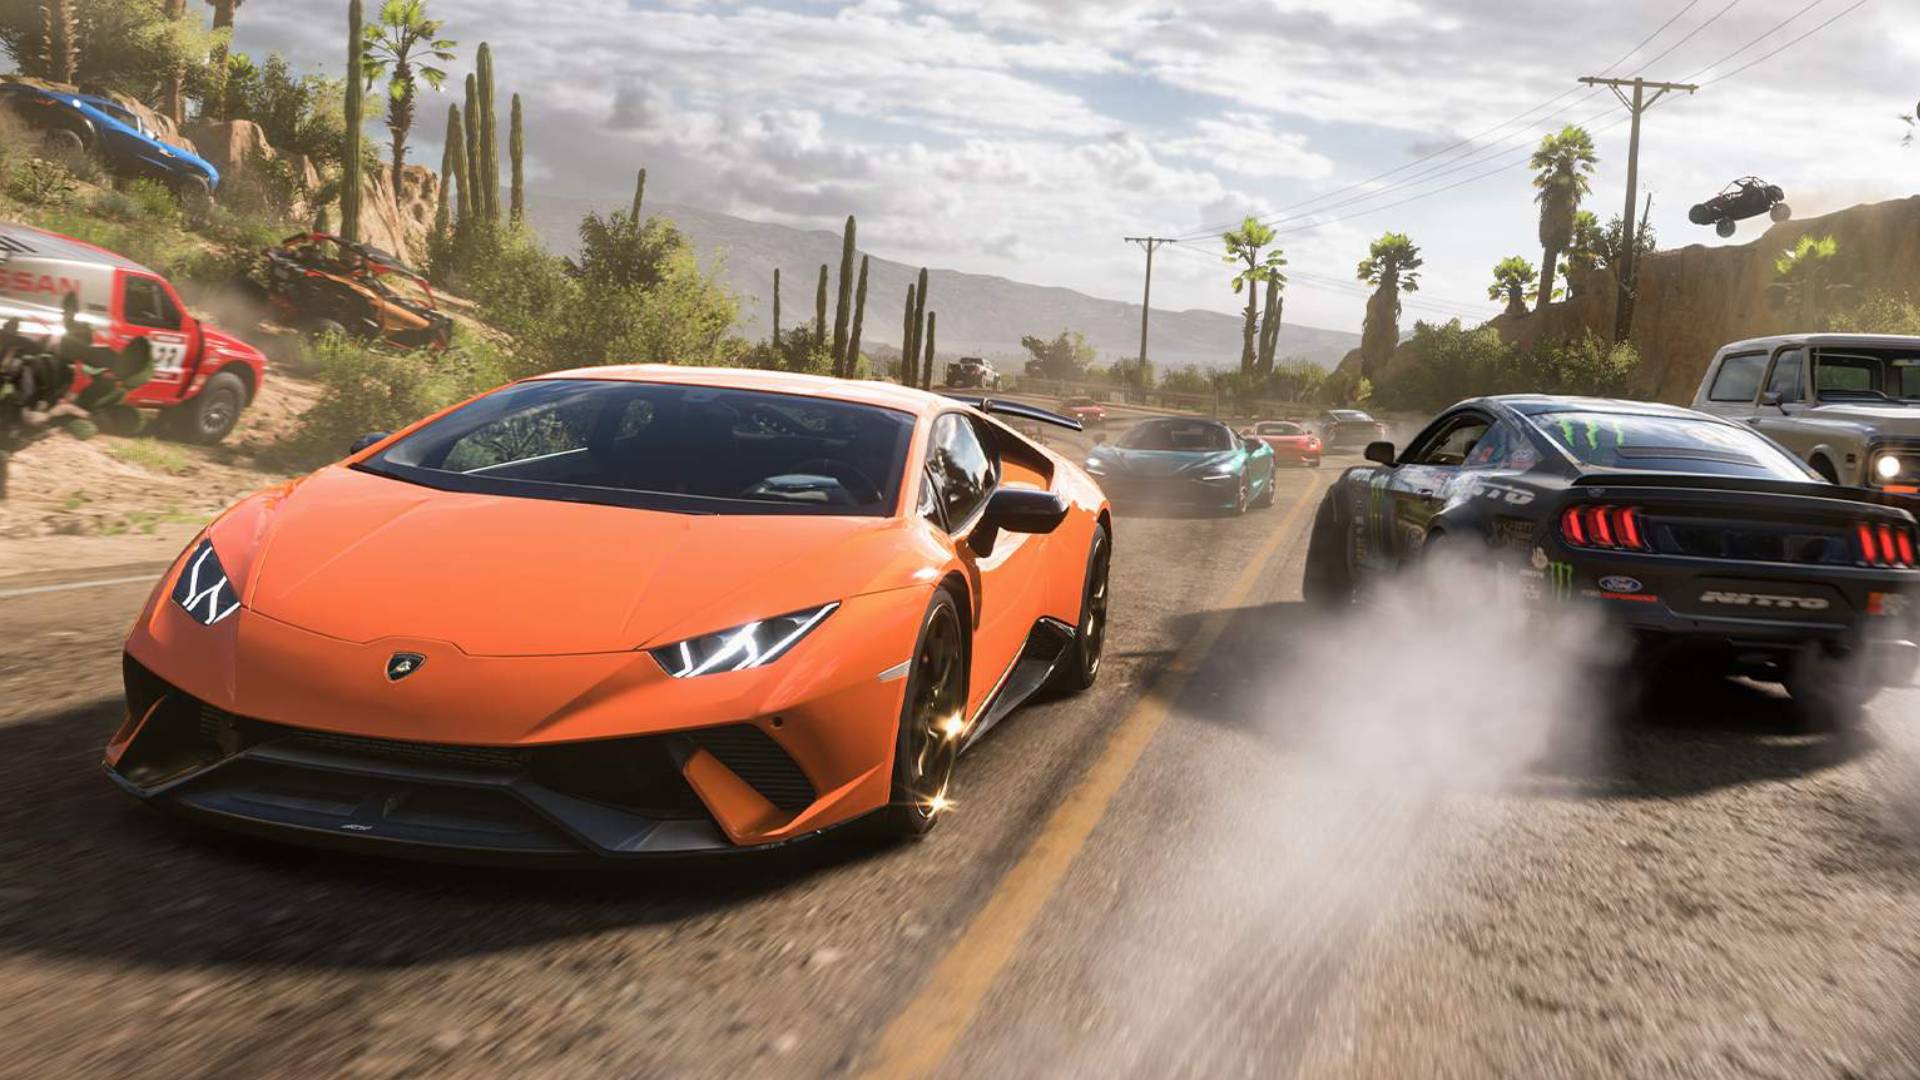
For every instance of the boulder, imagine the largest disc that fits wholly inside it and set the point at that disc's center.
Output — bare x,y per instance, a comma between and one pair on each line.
399,223
229,145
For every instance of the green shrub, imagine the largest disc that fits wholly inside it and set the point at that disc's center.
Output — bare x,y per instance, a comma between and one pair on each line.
116,206
157,204
40,182
1879,312
367,389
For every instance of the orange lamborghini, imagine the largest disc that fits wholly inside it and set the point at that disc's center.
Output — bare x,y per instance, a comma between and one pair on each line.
620,612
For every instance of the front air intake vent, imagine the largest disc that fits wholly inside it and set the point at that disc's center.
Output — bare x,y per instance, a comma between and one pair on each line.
756,758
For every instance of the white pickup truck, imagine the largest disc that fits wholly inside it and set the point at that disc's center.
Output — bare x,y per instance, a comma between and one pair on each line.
1846,404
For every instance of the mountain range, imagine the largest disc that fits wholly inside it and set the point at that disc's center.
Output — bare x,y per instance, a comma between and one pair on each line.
980,314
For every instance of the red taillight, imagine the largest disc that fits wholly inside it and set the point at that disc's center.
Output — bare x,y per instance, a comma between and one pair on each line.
1616,528
1886,546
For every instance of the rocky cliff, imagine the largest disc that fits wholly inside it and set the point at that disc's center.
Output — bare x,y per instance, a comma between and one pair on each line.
1697,298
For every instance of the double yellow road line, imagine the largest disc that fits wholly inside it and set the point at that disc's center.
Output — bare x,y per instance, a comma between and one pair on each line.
921,1036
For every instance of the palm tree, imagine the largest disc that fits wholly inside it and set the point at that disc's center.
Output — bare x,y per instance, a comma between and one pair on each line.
1804,276
173,96
1563,169
1243,252
216,103
1393,265
403,44
1513,278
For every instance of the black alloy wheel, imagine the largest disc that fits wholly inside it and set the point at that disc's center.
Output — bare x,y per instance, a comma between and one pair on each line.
932,723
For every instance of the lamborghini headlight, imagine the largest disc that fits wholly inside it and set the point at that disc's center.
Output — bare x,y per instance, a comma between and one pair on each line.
756,644
203,589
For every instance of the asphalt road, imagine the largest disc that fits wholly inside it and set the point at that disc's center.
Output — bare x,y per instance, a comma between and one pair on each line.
1261,846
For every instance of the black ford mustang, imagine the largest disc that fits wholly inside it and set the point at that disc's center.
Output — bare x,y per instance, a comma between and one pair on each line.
1700,535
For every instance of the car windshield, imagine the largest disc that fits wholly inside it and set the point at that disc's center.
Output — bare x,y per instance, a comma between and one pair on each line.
1279,427
662,446
1350,416
1867,374
1189,435
1079,402
1671,444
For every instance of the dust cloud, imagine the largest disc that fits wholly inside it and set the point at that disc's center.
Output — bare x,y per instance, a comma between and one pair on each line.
1370,738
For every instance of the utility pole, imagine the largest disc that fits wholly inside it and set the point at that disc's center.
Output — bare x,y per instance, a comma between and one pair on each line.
1636,105
1146,297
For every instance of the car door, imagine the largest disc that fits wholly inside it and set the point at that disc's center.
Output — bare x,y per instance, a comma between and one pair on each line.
963,470
1427,476
1733,390
145,307
1783,401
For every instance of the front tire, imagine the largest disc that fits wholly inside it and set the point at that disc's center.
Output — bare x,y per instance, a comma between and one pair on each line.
1329,574
1272,491
927,744
1081,664
1726,228
1781,212
212,415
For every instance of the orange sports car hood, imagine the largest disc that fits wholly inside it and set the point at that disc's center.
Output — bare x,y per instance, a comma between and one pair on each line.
361,557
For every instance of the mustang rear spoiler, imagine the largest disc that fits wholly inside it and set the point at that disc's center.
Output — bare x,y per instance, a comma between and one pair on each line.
1748,484
998,407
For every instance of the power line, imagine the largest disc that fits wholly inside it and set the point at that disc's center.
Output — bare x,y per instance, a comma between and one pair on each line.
1691,34
1857,5
1471,139
1776,28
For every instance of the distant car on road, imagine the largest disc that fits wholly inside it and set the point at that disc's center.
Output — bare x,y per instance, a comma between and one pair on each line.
1748,197
202,379
1290,442
83,124
972,372
1846,404
1342,429
786,603
1708,542
1185,461
1089,412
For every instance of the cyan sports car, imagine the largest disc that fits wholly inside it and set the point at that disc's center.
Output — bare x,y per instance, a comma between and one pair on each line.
79,124
1185,461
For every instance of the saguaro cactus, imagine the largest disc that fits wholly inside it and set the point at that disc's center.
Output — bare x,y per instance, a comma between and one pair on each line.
476,181
921,378
842,313
639,195
909,357
456,177
820,309
859,317
489,136
350,151
443,210
516,150
926,378
776,307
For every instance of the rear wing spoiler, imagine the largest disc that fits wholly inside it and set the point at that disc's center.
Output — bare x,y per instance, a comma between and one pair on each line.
1000,407
1750,485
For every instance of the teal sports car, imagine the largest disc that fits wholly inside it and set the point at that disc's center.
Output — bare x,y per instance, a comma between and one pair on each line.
1185,462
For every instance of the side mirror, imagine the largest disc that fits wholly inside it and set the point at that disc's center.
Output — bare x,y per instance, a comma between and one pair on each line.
1021,510
1381,453
367,440
1771,399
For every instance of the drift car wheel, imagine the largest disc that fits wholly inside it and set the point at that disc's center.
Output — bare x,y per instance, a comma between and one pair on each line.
1265,501
1329,578
1081,664
1726,227
1240,498
213,414
929,743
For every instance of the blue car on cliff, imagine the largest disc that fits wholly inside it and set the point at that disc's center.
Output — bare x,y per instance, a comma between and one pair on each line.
74,125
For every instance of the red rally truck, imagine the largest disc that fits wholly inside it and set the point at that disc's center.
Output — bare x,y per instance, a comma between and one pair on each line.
202,378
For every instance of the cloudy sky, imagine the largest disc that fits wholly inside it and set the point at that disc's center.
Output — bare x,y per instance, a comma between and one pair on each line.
1027,137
